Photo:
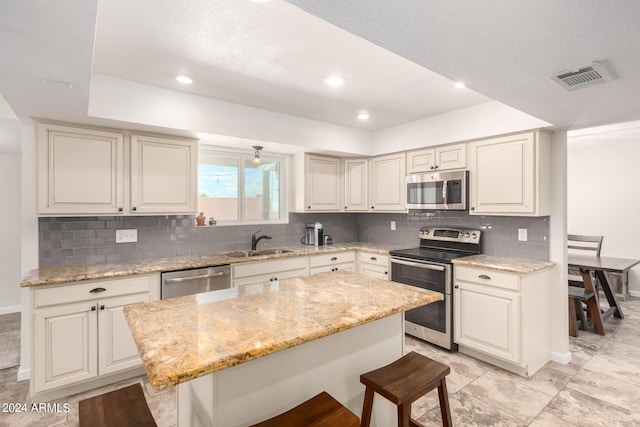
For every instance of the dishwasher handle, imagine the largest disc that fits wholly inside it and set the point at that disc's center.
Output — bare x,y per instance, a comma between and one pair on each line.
204,276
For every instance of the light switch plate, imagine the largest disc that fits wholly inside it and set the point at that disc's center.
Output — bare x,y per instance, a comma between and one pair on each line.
522,234
127,236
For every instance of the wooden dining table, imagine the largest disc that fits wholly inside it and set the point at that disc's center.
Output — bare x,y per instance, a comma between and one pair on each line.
600,265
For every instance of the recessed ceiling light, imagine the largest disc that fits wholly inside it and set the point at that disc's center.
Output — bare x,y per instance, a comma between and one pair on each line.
184,80
363,115
334,81
459,85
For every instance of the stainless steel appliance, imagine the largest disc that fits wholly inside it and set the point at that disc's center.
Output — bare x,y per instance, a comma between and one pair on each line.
429,267
313,235
195,281
438,191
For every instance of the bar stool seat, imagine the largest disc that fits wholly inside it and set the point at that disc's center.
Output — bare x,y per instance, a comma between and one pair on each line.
125,407
402,383
321,410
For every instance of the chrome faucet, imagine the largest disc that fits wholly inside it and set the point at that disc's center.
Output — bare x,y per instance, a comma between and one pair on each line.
255,240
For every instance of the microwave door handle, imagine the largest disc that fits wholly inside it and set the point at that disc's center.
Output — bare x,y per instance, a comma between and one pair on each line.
444,192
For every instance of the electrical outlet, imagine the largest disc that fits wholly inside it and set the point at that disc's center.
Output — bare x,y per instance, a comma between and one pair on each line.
393,226
127,236
522,234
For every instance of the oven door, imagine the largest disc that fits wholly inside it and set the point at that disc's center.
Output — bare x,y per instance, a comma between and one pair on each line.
432,322
441,191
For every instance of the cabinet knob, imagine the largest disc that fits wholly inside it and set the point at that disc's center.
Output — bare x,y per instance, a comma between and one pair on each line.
275,279
93,308
102,307
472,208
372,207
134,208
431,168
345,207
484,276
386,272
96,290
308,207
435,167
456,286
120,209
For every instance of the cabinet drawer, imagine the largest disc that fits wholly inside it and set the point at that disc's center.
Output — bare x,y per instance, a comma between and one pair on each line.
268,267
483,276
70,293
266,278
330,259
373,258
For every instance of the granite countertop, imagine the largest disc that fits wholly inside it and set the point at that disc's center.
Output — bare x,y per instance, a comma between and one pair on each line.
183,338
511,265
55,275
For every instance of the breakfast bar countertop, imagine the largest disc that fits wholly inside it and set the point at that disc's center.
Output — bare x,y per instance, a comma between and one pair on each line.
184,338
56,275
509,265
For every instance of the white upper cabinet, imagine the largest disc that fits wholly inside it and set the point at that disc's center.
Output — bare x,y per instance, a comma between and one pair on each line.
511,175
356,184
446,157
101,172
164,175
387,188
80,171
317,183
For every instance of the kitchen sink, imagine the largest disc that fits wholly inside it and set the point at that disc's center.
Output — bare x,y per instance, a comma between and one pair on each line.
248,254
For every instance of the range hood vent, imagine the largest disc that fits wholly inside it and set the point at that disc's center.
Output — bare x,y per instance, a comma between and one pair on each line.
584,76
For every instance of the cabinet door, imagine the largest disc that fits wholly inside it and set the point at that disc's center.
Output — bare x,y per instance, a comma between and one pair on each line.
421,161
375,271
356,180
80,171
451,157
164,175
322,175
64,345
488,320
117,349
387,183
502,175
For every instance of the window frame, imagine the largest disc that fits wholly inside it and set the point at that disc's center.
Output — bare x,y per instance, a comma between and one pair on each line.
241,157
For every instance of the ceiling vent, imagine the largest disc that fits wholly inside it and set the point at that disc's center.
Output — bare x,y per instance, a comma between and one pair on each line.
587,75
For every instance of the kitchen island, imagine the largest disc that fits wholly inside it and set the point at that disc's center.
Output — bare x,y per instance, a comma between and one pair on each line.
245,354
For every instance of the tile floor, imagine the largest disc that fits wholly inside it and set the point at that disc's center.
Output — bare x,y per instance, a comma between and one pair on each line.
600,387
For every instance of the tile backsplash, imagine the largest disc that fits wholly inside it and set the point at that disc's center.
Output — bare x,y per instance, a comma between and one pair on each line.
91,240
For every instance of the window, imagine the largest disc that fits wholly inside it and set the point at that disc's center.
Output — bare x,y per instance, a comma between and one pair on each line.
232,189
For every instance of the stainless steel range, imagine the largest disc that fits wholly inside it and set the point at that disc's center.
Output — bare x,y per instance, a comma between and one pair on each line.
429,267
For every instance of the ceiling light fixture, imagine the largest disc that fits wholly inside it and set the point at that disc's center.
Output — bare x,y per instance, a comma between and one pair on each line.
334,81
363,115
256,157
459,85
184,80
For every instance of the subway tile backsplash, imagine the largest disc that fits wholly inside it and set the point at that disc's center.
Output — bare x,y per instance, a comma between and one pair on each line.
91,240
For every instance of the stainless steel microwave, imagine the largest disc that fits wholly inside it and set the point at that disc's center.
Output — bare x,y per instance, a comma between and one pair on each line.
438,191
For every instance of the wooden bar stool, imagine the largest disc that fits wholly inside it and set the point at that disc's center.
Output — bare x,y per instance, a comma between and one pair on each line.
403,382
576,297
125,407
319,411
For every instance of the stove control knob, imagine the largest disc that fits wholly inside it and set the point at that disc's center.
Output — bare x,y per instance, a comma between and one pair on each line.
467,234
474,235
426,231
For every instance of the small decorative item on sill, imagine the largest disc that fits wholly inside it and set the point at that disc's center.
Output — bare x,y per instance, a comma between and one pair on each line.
200,219
212,221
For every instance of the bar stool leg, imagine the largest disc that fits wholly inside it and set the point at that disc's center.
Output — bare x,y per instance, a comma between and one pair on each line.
445,411
367,407
404,412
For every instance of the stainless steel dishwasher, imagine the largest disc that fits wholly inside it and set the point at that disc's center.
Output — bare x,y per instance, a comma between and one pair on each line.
194,281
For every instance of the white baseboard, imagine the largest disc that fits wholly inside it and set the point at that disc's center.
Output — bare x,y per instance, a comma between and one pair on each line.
23,373
634,293
563,358
10,309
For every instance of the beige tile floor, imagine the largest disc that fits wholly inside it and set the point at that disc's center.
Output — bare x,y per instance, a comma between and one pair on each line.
600,387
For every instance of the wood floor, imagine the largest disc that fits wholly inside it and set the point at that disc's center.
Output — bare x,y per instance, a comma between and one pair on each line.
598,388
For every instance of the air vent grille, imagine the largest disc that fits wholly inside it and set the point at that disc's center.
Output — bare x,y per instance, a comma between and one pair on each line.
584,76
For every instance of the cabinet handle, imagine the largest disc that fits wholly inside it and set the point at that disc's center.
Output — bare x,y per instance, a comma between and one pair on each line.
96,290
374,258
484,276
345,207
275,279
334,259
93,308
134,208
308,207
431,168
435,167
120,209
102,307
372,207
472,208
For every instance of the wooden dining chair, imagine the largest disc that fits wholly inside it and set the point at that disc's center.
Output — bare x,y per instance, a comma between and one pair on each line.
587,245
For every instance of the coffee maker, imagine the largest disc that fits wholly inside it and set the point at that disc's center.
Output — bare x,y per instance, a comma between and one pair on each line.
313,235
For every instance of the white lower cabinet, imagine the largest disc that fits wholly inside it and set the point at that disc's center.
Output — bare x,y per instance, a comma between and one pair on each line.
80,332
500,317
337,261
251,273
373,265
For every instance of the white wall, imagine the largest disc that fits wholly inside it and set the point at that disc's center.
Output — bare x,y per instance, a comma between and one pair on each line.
603,189
10,273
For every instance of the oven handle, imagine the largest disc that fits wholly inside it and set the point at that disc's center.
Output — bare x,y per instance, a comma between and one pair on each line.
417,264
